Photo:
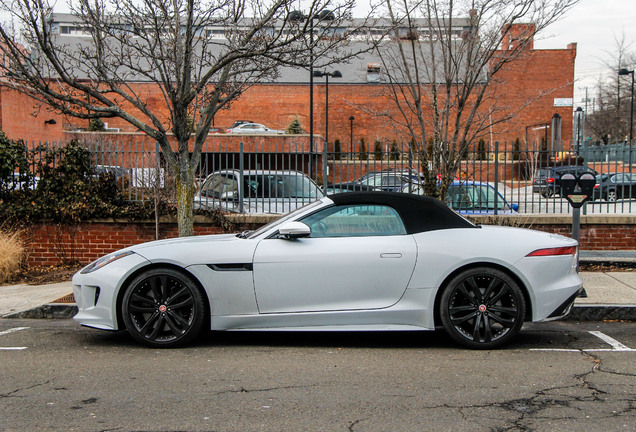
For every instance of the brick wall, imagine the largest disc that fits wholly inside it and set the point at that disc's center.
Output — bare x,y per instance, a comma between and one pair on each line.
50,244
524,90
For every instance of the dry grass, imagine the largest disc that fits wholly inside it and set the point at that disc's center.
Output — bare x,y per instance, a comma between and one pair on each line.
11,253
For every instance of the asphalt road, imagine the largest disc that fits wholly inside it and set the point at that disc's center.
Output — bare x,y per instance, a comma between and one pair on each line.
560,376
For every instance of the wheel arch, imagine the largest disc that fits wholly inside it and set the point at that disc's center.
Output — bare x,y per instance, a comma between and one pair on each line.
152,266
438,296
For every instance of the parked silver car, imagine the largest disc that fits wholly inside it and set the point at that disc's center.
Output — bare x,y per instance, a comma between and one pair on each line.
256,191
253,128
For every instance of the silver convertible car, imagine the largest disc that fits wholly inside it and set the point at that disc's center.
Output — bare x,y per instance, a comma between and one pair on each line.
351,261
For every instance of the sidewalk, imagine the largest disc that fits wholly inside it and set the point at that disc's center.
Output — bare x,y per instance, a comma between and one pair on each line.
610,295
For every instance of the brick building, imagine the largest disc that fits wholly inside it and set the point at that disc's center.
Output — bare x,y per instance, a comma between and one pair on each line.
535,87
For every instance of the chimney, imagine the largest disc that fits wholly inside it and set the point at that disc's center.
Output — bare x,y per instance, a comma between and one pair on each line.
516,35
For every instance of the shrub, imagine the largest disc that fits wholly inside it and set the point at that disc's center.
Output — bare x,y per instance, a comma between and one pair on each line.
377,150
395,153
96,125
14,165
11,252
295,128
363,150
337,149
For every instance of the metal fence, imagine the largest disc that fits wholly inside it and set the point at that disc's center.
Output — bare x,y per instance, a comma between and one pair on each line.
507,168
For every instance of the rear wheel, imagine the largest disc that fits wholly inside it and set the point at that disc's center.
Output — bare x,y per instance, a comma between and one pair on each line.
163,308
482,308
611,195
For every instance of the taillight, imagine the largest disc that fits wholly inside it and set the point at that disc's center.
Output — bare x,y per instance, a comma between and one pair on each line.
566,250
596,186
551,180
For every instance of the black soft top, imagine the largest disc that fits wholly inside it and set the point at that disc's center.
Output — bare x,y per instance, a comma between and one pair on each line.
418,213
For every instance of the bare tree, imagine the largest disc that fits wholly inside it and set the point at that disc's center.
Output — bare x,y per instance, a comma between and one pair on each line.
169,44
440,61
609,117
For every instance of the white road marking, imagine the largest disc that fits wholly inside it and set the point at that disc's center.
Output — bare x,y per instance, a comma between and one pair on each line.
11,330
616,345
611,342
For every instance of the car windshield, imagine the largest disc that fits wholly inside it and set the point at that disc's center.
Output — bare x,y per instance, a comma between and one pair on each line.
473,197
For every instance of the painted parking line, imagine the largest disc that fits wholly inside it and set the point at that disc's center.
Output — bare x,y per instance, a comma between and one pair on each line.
616,346
11,330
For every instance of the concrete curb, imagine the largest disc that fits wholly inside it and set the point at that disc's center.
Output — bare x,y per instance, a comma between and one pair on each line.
49,311
587,312
592,312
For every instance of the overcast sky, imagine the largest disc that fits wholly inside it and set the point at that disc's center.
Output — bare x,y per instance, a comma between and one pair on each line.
593,25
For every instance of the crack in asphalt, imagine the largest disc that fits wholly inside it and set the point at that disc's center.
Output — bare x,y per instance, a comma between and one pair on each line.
353,424
530,408
13,392
244,390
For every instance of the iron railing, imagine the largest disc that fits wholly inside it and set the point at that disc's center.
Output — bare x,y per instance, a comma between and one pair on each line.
508,168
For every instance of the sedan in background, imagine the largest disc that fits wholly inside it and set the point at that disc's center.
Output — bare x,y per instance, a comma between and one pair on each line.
253,128
474,198
615,186
390,180
356,261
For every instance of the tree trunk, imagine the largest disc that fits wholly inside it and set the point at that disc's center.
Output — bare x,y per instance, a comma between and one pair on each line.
185,199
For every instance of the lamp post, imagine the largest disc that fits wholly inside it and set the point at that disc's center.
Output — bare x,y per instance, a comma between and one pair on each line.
579,113
631,110
622,72
323,15
351,119
320,74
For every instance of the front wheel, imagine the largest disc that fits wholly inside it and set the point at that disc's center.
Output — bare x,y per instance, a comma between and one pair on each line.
482,308
163,308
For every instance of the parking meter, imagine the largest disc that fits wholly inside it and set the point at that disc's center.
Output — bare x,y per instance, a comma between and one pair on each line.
577,190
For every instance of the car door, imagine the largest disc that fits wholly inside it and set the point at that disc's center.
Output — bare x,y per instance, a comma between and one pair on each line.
357,257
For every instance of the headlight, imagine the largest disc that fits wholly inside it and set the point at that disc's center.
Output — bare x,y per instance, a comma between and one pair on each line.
96,265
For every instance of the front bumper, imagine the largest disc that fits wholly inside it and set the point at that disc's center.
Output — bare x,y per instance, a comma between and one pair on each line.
96,292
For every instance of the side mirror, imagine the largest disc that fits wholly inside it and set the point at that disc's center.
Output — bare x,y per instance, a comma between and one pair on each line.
228,196
294,230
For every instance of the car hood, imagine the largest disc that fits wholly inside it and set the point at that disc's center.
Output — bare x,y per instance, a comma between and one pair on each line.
208,249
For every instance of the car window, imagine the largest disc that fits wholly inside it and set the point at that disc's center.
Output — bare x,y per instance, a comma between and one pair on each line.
218,184
355,221
279,186
473,197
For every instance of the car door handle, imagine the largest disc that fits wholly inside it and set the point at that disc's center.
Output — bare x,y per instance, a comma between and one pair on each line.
390,255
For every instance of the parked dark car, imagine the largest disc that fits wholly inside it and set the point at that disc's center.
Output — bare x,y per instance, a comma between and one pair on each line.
349,187
547,181
390,180
615,186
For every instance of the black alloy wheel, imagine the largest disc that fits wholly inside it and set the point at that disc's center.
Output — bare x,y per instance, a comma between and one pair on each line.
482,308
163,308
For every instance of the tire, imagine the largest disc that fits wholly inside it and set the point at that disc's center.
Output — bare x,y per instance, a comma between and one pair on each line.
482,308
163,308
611,196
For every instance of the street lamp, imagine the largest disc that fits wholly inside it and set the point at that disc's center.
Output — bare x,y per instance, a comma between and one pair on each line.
579,113
323,15
320,74
351,119
631,110
621,72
